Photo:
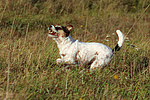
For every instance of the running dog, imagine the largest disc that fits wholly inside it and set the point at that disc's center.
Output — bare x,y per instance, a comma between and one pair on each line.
74,52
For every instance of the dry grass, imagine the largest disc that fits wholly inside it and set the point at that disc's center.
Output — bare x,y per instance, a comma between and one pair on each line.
27,56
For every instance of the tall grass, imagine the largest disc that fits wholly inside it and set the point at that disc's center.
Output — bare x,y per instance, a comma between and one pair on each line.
27,56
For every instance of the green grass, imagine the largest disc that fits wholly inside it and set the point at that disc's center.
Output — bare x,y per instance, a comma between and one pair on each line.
28,69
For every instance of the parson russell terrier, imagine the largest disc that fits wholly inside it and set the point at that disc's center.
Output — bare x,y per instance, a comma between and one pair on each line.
74,52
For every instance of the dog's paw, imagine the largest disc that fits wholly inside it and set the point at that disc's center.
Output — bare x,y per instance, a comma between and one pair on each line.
59,61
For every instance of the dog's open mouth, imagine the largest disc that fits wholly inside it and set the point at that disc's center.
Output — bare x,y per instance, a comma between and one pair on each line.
52,33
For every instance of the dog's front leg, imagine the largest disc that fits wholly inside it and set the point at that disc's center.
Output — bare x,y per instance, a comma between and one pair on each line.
59,61
66,60
63,60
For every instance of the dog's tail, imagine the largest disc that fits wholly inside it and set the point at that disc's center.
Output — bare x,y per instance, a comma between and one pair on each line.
120,42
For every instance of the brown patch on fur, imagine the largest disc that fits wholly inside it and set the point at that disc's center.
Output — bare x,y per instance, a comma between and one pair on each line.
76,60
96,53
63,55
107,56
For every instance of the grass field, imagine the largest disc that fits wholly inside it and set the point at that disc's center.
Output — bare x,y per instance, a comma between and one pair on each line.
28,70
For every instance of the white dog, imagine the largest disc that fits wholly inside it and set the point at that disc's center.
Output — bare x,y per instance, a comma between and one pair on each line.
74,52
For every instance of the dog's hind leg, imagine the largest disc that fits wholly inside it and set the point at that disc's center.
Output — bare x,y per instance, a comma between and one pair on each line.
97,64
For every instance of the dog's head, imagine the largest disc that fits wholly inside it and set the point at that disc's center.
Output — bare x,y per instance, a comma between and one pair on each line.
59,31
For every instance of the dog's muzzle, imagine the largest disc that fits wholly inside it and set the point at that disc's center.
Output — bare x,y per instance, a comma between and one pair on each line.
52,33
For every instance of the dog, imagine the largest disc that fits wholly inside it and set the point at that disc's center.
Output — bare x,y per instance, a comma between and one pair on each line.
74,52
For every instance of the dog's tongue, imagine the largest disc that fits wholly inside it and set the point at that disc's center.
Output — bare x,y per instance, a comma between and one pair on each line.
53,33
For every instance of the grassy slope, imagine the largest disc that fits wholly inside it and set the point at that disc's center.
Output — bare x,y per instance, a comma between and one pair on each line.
27,56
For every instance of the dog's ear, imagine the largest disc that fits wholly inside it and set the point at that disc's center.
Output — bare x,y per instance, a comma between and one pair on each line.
69,27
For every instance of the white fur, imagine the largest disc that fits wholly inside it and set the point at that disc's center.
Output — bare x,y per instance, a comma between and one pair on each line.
121,38
80,53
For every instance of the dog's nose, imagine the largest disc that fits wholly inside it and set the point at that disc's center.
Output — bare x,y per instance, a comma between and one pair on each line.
50,26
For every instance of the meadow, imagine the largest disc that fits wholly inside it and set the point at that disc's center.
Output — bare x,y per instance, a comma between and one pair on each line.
28,70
